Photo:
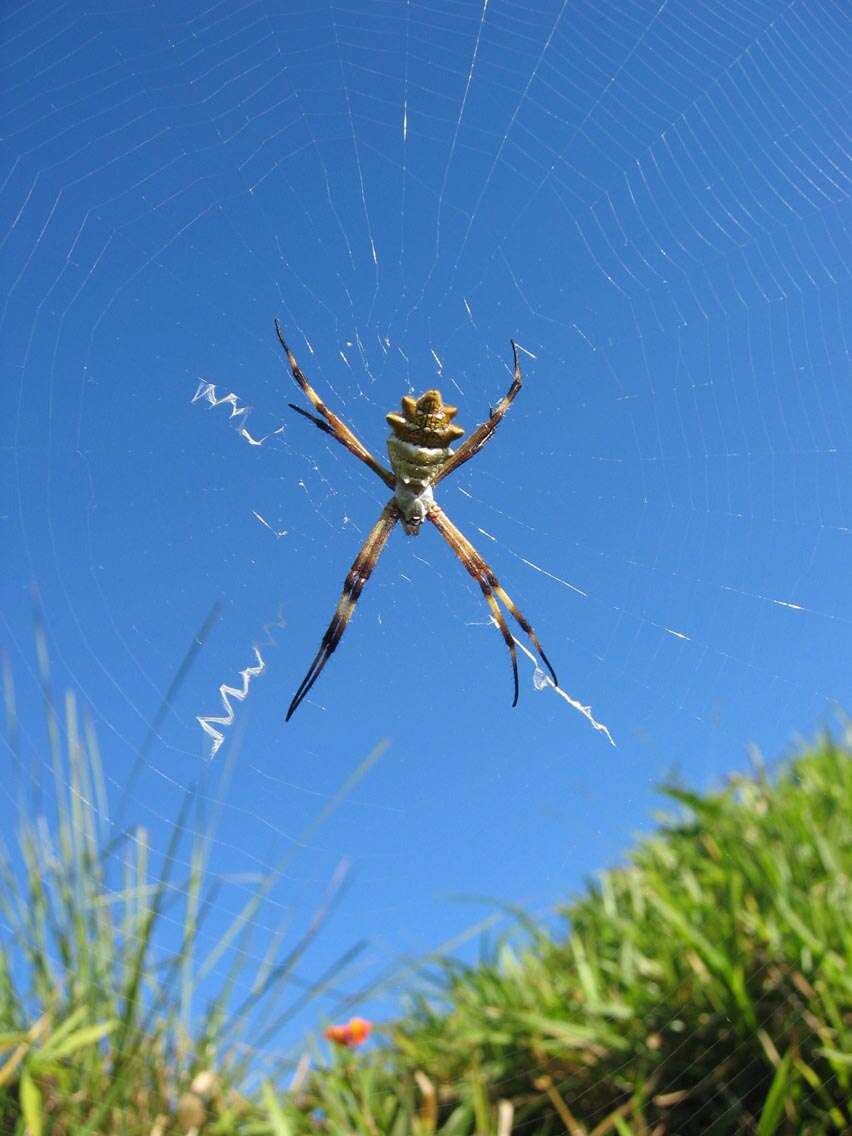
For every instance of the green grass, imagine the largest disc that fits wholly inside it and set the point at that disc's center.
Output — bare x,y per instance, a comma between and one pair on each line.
119,1011
704,987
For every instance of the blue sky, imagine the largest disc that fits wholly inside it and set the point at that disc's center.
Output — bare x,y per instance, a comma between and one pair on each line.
651,198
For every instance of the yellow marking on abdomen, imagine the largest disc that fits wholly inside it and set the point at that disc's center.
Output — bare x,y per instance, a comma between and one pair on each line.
416,463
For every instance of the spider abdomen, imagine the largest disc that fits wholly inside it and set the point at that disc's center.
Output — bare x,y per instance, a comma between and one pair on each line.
413,463
425,422
419,444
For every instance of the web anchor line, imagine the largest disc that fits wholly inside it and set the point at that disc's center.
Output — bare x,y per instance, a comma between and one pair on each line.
542,680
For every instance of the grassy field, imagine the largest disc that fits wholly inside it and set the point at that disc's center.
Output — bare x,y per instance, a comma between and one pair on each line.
702,988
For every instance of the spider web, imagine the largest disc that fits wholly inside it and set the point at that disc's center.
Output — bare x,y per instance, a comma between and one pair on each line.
652,198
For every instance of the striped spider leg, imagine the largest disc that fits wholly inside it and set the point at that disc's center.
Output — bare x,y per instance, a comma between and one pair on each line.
464,550
491,587
366,559
470,448
332,424
356,578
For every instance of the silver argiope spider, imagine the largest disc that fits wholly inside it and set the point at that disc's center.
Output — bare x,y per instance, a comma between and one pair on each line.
420,457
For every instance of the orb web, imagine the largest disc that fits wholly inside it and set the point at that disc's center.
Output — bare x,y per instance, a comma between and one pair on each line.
652,198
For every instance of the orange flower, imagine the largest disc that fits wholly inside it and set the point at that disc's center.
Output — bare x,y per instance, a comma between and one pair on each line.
355,1032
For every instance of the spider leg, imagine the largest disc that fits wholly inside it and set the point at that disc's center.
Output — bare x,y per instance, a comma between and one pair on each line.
442,524
489,583
473,444
332,424
324,426
356,578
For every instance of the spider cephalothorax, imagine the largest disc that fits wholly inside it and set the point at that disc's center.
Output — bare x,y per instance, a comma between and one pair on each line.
420,455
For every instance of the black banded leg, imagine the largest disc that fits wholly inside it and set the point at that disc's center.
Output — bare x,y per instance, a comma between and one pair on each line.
441,523
332,424
471,447
450,531
356,578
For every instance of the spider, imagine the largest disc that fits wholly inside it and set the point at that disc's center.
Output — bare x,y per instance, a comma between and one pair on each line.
420,457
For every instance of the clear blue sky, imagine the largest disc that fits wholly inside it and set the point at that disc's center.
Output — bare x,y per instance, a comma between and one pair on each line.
652,198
